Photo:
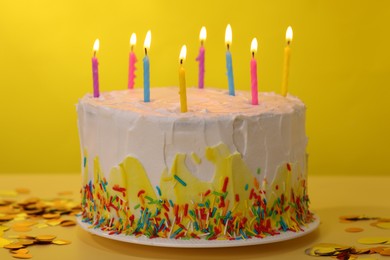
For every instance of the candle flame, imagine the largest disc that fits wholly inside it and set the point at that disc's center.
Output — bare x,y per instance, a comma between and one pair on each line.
96,45
148,39
289,35
254,46
228,35
183,53
203,34
133,39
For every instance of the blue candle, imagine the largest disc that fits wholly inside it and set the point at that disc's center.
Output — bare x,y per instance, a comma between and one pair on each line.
229,64
229,67
147,68
146,79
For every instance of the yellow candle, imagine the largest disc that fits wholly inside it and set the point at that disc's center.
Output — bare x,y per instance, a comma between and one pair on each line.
182,80
286,66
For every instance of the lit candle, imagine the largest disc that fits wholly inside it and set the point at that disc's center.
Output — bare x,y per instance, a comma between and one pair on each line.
132,61
229,65
182,80
95,69
286,66
200,58
147,67
255,100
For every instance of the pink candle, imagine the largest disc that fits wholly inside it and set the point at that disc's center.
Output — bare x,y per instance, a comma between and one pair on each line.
132,61
201,57
255,100
95,70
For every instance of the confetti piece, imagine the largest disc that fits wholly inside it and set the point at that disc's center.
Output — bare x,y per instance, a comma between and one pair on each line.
3,228
22,190
65,193
51,216
14,245
354,229
385,252
26,242
6,218
373,240
8,193
55,222
68,223
4,242
45,238
384,225
20,251
325,251
22,256
61,242
42,225
21,229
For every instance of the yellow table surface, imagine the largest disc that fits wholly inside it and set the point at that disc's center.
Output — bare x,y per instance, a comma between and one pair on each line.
330,197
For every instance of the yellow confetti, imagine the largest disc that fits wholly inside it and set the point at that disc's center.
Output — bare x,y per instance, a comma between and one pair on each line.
373,240
3,228
8,193
384,225
4,242
42,225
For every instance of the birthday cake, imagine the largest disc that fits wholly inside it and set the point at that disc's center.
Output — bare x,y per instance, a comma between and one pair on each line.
226,169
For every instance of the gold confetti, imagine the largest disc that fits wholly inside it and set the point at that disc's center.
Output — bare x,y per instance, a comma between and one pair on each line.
354,229
8,193
20,251
22,256
45,238
4,242
3,228
65,193
68,223
384,225
385,252
61,242
55,222
26,242
14,245
42,225
373,240
21,229
51,215
6,218
22,190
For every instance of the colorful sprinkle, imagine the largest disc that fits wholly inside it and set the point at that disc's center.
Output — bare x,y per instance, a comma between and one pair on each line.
180,180
158,190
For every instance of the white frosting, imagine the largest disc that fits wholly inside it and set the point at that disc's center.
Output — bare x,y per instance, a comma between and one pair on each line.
119,123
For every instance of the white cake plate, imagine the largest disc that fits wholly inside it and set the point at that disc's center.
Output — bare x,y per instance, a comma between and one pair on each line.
201,243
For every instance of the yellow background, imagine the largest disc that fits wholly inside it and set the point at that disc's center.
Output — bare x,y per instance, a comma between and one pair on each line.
339,67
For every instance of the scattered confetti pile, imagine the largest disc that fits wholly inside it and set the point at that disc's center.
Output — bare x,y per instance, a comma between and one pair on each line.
381,245
29,214
345,252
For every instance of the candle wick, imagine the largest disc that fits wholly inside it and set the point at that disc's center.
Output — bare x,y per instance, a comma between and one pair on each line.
201,43
253,54
288,42
132,48
228,46
146,51
94,53
181,61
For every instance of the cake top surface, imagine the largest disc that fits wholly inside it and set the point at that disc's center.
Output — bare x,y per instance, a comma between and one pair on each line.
208,102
